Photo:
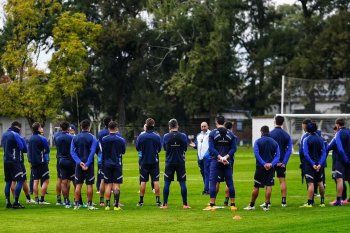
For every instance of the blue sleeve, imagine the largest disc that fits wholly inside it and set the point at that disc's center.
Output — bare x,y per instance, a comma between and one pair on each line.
288,152
301,151
306,152
257,154
74,153
324,155
137,144
276,159
159,144
233,147
212,149
46,148
340,148
195,142
19,141
165,141
24,150
92,152
331,146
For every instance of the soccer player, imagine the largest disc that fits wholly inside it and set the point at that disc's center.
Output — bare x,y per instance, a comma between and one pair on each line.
38,155
13,147
113,147
341,150
100,185
285,144
59,180
175,146
66,164
83,149
201,143
267,154
222,146
149,144
315,156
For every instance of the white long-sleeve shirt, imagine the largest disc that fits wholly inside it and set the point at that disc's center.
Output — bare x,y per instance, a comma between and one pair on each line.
202,143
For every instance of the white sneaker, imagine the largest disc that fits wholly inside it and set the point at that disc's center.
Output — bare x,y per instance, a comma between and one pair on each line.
91,207
153,190
59,203
68,206
249,207
266,208
31,201
44,203
98,192
76,207
263,204
284,205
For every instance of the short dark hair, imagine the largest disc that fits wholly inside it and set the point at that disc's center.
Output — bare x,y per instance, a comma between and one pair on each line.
265,129
311,127
85,124
16,124
306,121
112,125
106,121
279,120
220,120
228,125
150,123
36,126
340,121
64,125
173,123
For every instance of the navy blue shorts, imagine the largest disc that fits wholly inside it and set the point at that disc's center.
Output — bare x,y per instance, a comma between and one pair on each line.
13,172
87,176
280,172
312,176
24,176
170,170
66,169
341,170
220,172
41,172
263,177
113,175
58,171
147,170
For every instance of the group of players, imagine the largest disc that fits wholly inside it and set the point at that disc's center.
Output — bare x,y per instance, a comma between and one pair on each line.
216,149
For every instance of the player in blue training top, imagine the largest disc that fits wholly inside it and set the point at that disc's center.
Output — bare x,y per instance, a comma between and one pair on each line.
267,154
113,147
13,147
100,184
285,144
83,149
66,164
38,156
315,157
149,145
340,145
222,146
175,146
59,180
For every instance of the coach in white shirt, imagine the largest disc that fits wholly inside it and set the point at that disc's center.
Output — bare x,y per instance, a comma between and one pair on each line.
202,144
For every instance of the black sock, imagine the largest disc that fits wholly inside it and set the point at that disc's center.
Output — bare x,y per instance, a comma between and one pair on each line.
36,199
339,199
322,200
284,200
89,203
80,201
28,197
16,200
101,199
233,204
141,199
41,198
116,198
252,204
310,202
212,204
226,199
76,203
59,200
157,199
108,203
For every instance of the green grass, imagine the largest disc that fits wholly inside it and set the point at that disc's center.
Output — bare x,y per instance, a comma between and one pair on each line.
151,219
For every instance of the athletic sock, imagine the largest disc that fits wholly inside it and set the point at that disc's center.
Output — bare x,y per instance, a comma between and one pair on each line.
310,202
339,199
42,199
212,204
252,204
226,200
284,200
101,199
76,203
16,200
141,199
59,200
36,199
233,204
89,203
157,199
183,192
108,203
81,200
28,197
322,200
116,197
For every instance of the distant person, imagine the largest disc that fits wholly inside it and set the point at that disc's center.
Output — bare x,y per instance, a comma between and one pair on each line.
59,176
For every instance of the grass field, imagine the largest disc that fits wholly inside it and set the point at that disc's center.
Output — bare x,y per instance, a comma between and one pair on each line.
152,219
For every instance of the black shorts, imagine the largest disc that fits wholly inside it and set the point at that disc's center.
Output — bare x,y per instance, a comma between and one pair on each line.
87,176
170,170
113,175
13,172
66,169
24,176
341,170
147,170
100,174
280,172
41,172
58,170
263,177
312,176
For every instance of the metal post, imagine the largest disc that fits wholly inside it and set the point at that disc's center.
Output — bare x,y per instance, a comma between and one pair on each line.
282,95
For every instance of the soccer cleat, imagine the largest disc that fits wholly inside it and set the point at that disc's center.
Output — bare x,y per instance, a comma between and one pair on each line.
76,207
59,203
107,208
322,205
225,203
205,193
284,205
120,204
91,207
249,207
344,202
140,204
102,204
263,204
165,206
17,206
186,207
8,206
335,203
30,201
117,208
233,208
98,192
44,203
83,205
158,203
67,206
209,208
306,205
266,208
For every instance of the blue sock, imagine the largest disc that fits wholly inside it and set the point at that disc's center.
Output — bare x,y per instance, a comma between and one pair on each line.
7,191
18,190
183,192
166,191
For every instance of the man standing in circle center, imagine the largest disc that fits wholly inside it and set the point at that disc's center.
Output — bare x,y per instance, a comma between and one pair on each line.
149,144
175,146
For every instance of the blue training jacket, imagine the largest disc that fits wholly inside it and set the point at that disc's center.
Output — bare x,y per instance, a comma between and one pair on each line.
63,142
222,142
38,149
83,148
149,144
13,146
175,145
266,150
284,142
113,147
341,145
314,150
